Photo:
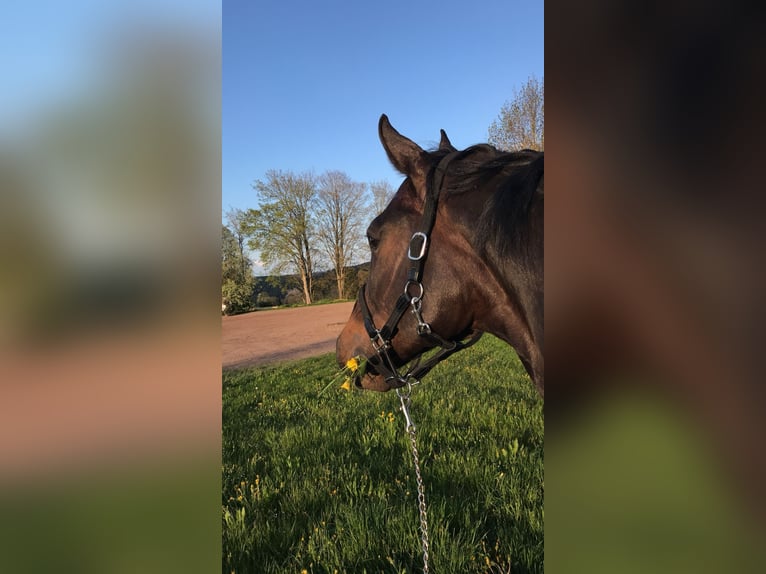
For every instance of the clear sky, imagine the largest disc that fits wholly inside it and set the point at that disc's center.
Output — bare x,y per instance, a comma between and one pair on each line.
304,82
50,50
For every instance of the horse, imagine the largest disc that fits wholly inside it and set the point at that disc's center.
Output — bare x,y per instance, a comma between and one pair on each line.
460,246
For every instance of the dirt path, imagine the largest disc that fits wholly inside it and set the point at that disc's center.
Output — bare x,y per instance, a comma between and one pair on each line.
278,335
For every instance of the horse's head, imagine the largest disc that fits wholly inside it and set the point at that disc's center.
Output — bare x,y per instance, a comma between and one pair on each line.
427,285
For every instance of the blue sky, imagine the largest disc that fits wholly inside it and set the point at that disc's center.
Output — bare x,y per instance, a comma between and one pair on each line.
304,83
51,49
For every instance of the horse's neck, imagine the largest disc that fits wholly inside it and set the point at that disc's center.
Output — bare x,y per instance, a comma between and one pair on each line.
516,316
521,312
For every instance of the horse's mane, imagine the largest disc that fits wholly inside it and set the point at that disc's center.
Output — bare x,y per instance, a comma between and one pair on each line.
504,222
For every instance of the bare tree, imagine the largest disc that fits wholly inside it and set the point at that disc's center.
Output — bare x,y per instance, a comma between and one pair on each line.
521,122
341,214
282,229
382,192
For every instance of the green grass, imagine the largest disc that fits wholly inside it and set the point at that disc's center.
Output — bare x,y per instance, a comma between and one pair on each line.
141,516
635,487
326,484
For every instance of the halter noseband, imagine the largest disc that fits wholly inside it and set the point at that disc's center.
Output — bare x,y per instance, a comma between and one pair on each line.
412,298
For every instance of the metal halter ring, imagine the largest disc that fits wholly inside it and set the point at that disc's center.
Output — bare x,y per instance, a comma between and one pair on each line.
407,290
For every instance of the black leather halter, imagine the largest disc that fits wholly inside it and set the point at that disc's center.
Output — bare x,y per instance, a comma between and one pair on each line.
412,298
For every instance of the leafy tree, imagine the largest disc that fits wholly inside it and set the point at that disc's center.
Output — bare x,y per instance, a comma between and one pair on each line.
340,215
237,281
282,229
237,226
521,122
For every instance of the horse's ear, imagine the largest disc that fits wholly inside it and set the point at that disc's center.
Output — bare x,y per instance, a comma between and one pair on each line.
445,144
405,155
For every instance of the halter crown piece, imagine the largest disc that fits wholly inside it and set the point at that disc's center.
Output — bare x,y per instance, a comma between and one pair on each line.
412,298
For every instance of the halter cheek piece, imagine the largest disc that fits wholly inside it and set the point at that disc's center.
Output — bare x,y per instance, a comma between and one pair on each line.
412,298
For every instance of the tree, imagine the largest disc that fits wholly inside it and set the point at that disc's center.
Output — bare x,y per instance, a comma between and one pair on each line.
237,226
340,215
237,281
382,192
521,122
281,229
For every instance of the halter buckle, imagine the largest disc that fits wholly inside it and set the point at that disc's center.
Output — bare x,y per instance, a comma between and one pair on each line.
379,343
423,245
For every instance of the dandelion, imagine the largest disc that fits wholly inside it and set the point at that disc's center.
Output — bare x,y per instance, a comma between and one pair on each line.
354,368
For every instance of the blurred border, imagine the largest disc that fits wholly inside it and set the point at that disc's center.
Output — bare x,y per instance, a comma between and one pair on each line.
109,328
654,306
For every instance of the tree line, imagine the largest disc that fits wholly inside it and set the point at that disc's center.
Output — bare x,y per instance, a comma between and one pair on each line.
306,223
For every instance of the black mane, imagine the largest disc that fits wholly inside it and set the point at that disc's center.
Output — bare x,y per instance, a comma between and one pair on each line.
504,222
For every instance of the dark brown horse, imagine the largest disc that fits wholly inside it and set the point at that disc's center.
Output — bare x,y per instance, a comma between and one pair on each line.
457,252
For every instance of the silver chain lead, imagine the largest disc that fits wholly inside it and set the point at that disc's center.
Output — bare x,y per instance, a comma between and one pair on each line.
404,398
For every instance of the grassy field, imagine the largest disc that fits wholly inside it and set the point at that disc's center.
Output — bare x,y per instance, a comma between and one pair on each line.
325,483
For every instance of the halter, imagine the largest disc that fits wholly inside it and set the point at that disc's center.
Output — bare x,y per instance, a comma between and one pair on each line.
412,298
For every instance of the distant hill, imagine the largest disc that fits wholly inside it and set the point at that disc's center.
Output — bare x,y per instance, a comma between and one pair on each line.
271,290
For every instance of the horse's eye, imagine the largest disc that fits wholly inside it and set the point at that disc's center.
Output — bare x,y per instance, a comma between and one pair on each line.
373,241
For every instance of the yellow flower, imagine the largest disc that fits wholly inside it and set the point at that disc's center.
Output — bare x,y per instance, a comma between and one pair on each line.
354,368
